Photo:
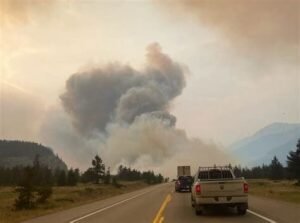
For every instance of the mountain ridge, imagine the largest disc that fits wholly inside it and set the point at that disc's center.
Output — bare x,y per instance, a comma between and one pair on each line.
22,153
276,139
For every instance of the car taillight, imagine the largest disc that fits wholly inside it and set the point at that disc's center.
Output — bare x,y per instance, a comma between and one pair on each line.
198,189
246,188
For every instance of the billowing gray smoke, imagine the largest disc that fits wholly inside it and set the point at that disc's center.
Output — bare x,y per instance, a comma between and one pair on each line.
119,93
127,112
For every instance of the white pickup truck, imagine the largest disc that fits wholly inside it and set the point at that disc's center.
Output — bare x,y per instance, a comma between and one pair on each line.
218,186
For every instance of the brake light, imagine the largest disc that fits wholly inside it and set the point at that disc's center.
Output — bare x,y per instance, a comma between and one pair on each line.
246,188
198,189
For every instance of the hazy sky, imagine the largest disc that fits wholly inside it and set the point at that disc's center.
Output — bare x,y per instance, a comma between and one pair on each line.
242,60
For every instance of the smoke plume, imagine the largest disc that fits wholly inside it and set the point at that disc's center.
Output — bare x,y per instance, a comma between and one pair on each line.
265,28
119,93
20,113
128,110
19,12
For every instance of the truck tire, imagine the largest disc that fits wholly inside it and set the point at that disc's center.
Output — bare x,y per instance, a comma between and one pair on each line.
198,210
241,210
192,202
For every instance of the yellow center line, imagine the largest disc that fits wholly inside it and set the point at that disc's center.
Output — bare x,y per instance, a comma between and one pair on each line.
159,218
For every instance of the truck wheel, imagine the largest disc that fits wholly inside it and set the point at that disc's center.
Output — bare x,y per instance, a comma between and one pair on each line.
198,210
192,202
241,210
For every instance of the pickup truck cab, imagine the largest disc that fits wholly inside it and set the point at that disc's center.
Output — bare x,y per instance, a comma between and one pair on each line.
218,186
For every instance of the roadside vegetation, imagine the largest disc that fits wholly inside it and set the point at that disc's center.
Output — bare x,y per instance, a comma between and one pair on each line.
31,191
275,180
285,190
275,170
63,197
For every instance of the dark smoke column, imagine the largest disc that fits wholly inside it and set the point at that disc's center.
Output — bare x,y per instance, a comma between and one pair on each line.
117,93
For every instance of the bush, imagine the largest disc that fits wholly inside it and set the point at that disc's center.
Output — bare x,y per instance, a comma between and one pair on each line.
25,200
43,194
115,183
35,186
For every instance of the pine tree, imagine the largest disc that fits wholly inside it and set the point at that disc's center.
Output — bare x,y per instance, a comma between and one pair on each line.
61,178
88,176
276,169
99,168
71,178
293,162
25,199
44,193
107,176
237,170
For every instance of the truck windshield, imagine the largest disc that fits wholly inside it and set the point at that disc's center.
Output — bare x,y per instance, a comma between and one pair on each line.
215,174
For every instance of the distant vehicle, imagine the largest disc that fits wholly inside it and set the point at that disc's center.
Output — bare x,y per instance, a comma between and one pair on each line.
218,186
184,179
183,183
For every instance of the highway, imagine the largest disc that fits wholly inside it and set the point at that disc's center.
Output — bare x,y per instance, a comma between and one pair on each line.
159,204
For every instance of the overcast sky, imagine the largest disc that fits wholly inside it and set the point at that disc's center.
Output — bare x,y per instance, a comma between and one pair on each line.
242,60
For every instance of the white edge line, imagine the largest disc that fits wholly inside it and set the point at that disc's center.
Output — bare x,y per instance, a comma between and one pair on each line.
110,206
260,216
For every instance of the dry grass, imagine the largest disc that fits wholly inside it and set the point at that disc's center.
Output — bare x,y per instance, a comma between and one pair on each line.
282,190
62,198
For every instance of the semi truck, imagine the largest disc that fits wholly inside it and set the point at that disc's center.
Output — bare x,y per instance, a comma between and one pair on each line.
183,171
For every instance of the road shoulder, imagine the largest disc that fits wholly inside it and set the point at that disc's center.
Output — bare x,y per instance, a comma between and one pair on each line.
76,212
280,211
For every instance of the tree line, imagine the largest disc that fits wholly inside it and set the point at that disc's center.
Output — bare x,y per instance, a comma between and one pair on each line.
128,174
58,177
34,183
275,170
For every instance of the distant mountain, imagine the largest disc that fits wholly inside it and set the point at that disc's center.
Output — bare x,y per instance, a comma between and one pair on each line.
275,139
19,153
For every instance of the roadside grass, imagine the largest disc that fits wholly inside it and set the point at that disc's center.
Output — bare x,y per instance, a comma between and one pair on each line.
282,189
62,198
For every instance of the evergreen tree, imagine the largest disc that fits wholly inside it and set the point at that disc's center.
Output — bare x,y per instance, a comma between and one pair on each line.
77,175
276,169
99,168
88,176
37,180
107,176
44,193
25,199
61,178
72,178
293,162
237,171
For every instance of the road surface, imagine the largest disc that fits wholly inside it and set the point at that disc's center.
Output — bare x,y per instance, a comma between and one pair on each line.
160,204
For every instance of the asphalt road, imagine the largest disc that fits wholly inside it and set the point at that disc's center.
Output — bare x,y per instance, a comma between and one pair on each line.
160,204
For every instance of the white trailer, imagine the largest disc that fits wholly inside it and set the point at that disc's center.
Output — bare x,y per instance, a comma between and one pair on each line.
183,171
